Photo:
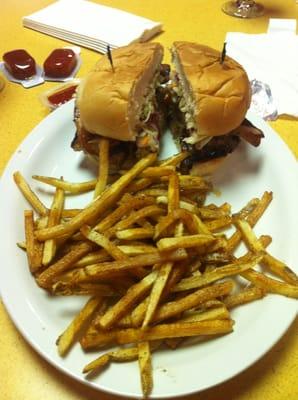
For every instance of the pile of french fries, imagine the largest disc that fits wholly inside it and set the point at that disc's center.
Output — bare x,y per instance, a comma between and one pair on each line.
153,258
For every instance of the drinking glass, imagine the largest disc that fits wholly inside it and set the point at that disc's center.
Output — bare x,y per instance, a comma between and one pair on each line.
243,8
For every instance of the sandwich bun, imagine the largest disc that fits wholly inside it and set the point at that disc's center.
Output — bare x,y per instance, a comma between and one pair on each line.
218,93
110,102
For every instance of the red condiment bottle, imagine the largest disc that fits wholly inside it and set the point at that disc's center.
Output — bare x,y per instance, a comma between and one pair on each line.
19,64
60,63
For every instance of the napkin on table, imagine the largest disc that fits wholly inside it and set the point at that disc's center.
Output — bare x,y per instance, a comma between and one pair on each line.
271,58
91,25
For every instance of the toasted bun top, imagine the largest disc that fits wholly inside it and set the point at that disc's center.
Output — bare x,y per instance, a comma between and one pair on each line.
110,102
218,94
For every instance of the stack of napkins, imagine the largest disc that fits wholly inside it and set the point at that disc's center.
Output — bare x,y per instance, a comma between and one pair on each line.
91,25
271,58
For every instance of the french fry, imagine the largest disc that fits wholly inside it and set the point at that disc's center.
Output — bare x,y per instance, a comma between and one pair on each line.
103,166
155,192
219,312
144,182
161,279
109,269
68,337
178,271
124,305
94,257
135,233
144,356
99,205
280,269
218,273
173,308
162,198
98,364
67,289
139,184
22,245
271,285
201,241
151,172
136,249
200,226
138,314
188,218
144,223
252,218
247,209
221,258
213,213
244,296
173,193
179,229
70,187
188,182
121,355
65,263
220,223
33,248
125,208
29,195
103,242
136,216
174,160
70,212
274,265
162,331
49,249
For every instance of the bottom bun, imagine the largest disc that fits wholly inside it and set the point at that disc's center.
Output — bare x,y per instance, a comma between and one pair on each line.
207,168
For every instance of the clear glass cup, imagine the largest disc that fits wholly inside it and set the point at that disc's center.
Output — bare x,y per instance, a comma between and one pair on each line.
243,9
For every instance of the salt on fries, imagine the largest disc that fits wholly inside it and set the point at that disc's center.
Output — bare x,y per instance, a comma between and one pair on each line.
152,256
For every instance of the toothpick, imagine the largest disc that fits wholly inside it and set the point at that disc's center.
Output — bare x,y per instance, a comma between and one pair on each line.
223,53
109,54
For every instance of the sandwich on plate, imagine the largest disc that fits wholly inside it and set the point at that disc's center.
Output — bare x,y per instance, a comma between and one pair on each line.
210,95
123,101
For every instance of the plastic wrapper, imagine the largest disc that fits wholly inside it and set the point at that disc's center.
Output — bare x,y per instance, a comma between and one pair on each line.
262,102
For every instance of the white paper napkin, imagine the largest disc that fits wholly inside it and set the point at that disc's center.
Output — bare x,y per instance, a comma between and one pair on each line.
271,58
91,25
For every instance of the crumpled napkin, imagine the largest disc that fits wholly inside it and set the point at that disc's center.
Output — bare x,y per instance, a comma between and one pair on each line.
271,58
91,25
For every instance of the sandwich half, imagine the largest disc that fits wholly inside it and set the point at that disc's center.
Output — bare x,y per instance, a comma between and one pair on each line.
209,100
123,102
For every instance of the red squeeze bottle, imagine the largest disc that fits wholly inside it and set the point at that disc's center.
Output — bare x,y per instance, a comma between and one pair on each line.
60,63
19,64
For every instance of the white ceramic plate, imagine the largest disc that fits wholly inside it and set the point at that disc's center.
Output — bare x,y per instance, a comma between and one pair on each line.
40,318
